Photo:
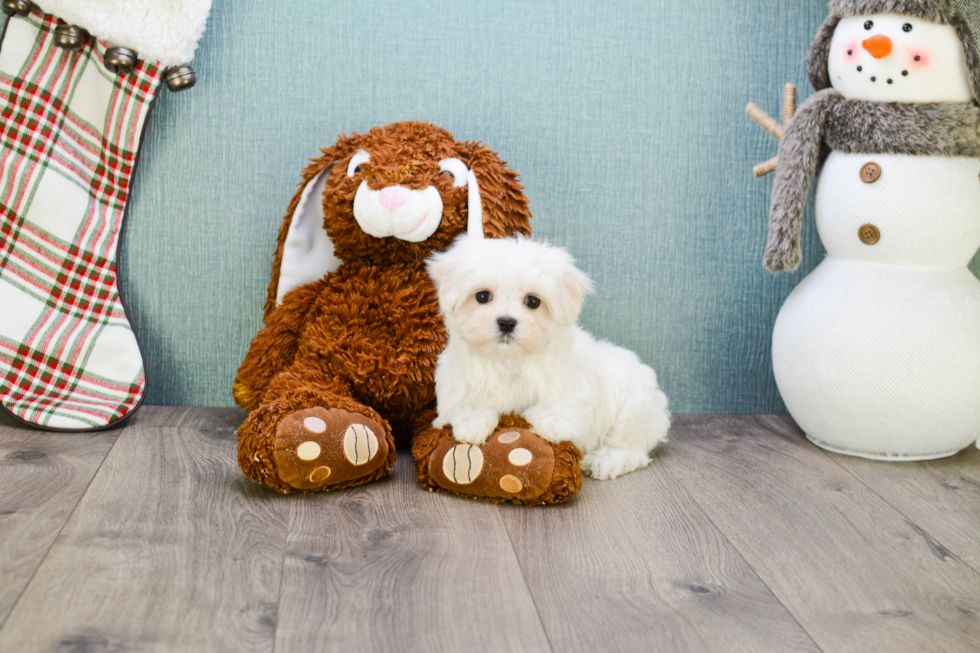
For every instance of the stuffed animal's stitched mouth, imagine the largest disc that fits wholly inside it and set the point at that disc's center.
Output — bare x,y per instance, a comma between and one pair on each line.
411,215
415,228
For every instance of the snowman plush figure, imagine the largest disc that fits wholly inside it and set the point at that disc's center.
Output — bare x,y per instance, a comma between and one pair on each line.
877,352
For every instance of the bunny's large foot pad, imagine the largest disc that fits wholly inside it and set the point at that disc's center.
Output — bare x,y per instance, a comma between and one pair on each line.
513,465
315,449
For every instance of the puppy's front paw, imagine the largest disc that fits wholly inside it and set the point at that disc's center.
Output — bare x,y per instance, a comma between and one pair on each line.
607,464
554,426
474,428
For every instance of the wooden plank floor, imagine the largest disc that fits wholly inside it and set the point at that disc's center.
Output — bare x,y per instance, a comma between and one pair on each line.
741,536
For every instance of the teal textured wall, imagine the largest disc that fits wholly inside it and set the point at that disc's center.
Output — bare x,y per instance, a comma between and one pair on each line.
625,120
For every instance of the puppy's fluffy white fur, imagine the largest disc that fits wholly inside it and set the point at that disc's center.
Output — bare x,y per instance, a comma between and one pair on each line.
567,384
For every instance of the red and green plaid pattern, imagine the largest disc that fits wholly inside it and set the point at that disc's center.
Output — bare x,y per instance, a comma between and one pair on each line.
70,132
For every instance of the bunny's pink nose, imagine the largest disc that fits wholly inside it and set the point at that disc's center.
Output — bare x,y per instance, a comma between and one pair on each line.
393,197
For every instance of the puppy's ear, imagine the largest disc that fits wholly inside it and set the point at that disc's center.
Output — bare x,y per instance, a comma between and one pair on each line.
442,268
573,286
505,208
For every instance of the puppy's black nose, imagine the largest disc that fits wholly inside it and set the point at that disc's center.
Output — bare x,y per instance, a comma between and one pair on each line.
506,324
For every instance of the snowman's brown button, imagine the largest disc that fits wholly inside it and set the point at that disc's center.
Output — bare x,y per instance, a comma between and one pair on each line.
869,234
870,173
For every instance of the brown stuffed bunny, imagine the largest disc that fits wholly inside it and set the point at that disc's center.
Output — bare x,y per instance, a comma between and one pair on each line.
345,363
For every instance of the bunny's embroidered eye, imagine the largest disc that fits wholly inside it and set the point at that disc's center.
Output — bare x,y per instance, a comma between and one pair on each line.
907,27
483,297
869,25
532,302
457,169
354,167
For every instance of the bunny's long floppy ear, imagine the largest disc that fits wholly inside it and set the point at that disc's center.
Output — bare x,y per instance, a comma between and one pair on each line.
307,253
474,206
496,197
304,252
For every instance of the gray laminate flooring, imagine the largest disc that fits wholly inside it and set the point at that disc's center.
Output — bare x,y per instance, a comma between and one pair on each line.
740,536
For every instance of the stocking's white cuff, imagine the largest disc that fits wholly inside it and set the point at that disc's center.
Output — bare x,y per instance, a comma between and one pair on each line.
162,31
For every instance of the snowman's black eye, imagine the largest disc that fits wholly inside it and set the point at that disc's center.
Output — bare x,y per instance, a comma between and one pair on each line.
869,25
907,27
483,297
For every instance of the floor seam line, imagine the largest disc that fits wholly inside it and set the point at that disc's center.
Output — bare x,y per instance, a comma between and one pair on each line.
737,550
54,541
890,505
520,567
282,571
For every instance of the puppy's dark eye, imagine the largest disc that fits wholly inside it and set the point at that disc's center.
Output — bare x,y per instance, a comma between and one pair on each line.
907,27
483,297
357,170
869,25
532,302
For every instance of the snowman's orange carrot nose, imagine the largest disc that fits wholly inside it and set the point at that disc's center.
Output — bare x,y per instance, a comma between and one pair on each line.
879,46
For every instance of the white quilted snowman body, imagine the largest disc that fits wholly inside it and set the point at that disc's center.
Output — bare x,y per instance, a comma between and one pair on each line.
877,352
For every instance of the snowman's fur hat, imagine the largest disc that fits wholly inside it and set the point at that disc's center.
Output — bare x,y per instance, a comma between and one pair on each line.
937,11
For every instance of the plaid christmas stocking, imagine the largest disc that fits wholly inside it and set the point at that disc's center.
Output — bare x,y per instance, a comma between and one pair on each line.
70,134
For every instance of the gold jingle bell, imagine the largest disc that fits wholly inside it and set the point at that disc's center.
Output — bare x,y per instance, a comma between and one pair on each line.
120,60
19,7
70,37
180,78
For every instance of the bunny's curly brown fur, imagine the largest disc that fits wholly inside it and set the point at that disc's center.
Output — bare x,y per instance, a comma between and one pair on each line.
363,341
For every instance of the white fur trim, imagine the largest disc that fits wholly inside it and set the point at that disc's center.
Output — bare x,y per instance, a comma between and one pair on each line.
162,31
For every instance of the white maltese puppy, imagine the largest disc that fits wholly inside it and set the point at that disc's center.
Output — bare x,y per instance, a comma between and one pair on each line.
510,307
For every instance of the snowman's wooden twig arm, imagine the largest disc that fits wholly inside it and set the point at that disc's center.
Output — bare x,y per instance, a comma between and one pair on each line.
773,126
789,104
765,121
799,157
766,167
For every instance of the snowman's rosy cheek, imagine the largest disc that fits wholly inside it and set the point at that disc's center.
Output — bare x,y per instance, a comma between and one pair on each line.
918,60
851,51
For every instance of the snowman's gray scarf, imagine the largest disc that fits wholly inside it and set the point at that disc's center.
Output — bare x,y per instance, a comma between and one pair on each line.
828,122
